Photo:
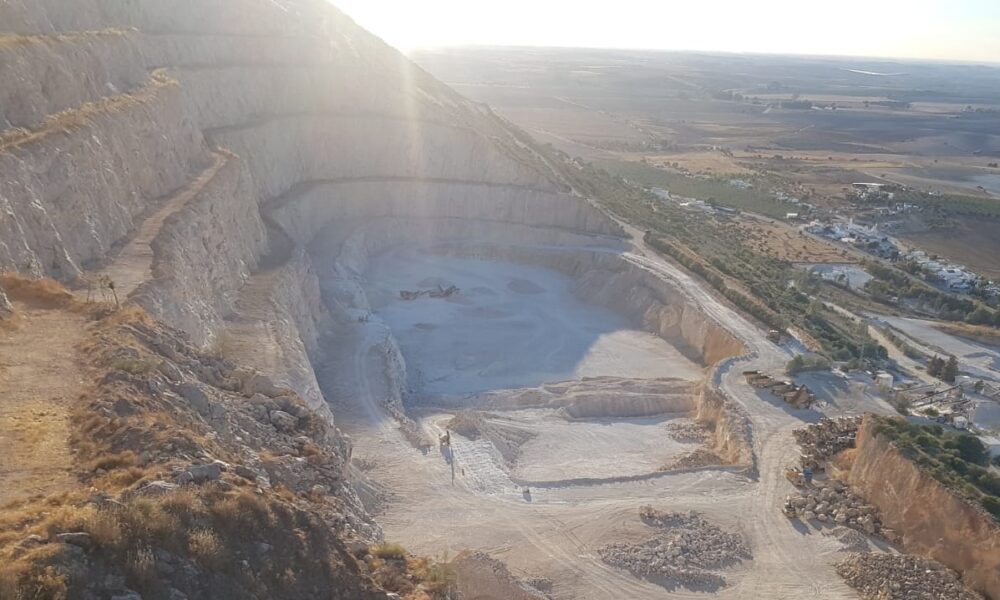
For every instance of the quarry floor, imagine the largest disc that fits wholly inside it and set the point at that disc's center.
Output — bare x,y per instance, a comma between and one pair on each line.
515,326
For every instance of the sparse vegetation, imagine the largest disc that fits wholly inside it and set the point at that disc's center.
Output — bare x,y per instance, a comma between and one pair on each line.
958,460
389,551
802,363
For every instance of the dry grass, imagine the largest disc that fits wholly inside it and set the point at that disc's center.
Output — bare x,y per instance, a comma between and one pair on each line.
388,551
206,548
117,460
977,333
133,366
78,118
40,293
787,243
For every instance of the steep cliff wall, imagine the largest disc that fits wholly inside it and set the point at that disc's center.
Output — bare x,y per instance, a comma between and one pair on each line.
204,254
45,75
75,187
930,519
309,208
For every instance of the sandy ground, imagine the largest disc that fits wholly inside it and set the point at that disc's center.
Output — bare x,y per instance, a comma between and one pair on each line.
444,501
510,326
597,448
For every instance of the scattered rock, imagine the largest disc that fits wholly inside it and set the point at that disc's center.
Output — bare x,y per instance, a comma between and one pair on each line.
879,576
193,393
358,548
170,371
156,488
283,421
687,550
203,473
262,384
245,472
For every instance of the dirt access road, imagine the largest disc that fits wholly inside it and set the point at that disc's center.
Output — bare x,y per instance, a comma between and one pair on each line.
554,532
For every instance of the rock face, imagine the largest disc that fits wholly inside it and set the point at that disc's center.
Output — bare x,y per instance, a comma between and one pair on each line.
5,306
928,518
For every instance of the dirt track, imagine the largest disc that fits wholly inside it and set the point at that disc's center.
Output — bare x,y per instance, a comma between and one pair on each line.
40,377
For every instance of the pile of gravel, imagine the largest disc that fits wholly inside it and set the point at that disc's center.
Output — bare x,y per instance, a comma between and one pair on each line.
686,550
902,577
824,439
850,539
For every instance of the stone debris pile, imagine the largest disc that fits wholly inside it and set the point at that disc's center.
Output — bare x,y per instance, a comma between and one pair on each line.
902,577
686,550
852,540
833,502
820,441
688,432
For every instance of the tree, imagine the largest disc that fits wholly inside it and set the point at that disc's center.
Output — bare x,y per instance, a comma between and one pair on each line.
980,316
935,366
950,371
970,449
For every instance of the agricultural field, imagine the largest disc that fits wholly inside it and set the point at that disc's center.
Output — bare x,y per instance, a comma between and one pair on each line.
794,127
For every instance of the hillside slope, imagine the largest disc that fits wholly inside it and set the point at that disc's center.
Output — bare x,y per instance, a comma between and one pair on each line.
177,159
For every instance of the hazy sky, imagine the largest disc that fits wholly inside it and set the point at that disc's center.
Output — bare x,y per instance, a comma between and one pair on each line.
941,29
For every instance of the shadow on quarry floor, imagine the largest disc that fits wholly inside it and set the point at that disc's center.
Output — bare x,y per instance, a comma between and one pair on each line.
508,326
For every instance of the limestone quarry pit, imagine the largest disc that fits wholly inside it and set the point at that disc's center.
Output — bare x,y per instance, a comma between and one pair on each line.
266,177
555,358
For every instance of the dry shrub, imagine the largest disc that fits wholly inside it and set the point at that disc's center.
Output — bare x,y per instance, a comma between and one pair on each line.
129,315
141,567
389,551
119,460
133,366
242,511
185,504
40,293
123,478
205,547
19,581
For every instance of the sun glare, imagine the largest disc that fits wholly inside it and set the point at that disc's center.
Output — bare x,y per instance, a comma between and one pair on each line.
966,29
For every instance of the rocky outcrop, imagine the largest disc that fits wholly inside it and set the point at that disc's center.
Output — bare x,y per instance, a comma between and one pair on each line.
929,519
731,436
5,306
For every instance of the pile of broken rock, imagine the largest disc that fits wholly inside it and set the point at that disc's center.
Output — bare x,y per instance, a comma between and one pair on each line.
821,441
879,576
833,502
686,550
